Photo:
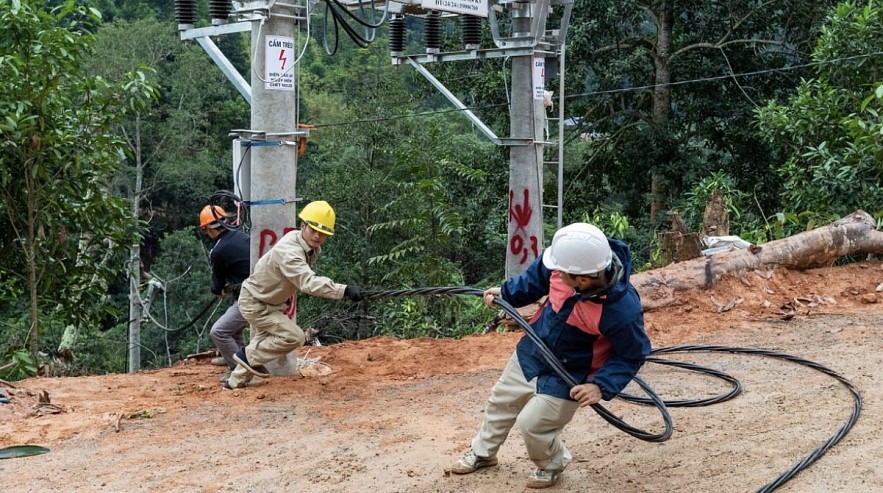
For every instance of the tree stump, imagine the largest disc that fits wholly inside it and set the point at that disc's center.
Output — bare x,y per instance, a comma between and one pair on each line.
716,220
678,244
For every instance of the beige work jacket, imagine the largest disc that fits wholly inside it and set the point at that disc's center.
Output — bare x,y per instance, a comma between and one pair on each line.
286,269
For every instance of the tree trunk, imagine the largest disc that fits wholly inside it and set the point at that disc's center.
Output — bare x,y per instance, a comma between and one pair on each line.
661,97
35,328
851,235
679,247
135,311
679,244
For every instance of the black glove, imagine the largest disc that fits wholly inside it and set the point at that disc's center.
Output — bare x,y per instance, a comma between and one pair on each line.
354,293
231,289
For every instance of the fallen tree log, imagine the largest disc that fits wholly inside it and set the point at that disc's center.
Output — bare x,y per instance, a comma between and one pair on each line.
852,235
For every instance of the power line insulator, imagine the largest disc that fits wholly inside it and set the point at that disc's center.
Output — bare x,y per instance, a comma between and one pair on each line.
471,26
396,35
433,32
219,11
185,13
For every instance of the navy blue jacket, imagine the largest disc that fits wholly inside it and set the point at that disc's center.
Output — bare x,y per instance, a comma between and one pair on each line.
599,339
230,260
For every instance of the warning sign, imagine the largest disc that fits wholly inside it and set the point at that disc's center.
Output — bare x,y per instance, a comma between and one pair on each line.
471,7
279,62
539,77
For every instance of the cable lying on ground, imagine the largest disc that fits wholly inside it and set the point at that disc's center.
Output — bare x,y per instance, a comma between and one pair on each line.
652,397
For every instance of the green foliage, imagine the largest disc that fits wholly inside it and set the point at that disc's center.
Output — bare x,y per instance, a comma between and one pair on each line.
178,156
432,316
718,183
183,268
613,224
787,223
677,133
180,148
740,208
830,129
58,219
645,253
17,364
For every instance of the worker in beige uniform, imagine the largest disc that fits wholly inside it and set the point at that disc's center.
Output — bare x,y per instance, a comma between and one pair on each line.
283,271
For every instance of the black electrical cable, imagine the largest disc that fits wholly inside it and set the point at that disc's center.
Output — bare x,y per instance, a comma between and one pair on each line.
736,390
340,22
362,9
551,359
653,398
193,320
330,51
237,212
814,455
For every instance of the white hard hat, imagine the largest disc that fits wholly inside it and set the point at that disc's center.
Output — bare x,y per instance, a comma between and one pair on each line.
579,249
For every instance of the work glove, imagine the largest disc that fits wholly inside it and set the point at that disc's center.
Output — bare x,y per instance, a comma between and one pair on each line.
354,293
230,289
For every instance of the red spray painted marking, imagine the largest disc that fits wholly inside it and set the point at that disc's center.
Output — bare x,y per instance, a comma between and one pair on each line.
521,215
268,239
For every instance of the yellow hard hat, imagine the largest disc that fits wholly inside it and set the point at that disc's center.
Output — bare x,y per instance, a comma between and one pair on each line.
319,215
211,214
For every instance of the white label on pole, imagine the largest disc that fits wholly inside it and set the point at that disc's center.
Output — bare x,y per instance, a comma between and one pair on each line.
279,63
471,7
539,77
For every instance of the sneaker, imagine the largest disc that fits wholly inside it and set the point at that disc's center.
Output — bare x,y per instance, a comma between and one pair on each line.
469,463
544,478
256,370
224,377
227,385
219,361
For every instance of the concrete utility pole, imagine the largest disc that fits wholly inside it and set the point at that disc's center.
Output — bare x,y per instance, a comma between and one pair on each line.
528,45
265,154
274,133
526,118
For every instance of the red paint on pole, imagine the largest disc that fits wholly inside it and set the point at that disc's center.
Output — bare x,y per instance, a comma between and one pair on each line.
520,215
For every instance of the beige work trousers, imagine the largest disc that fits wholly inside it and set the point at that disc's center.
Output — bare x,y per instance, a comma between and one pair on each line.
273,335
541,418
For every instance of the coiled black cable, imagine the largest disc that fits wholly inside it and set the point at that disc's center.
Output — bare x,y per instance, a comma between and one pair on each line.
820,451
653,398
237,211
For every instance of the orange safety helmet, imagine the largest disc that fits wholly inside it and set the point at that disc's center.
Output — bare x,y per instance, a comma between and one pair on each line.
210,215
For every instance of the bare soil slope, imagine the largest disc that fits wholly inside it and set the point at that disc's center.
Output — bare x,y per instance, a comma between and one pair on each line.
386,415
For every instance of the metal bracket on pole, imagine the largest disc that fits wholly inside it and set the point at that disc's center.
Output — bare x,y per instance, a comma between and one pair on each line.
201,35
536,12
226,67
463,109
260,137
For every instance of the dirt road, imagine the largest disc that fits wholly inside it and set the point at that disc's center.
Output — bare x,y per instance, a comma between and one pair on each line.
391,415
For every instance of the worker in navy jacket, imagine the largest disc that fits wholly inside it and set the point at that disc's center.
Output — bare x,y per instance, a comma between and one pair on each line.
592,321
230,263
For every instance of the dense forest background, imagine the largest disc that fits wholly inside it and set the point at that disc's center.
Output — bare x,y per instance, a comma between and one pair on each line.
114,133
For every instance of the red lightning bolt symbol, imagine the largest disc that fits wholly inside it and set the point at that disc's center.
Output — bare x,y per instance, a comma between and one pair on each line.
282,57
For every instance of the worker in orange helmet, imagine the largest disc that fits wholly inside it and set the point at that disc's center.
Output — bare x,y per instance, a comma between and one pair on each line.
229,259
